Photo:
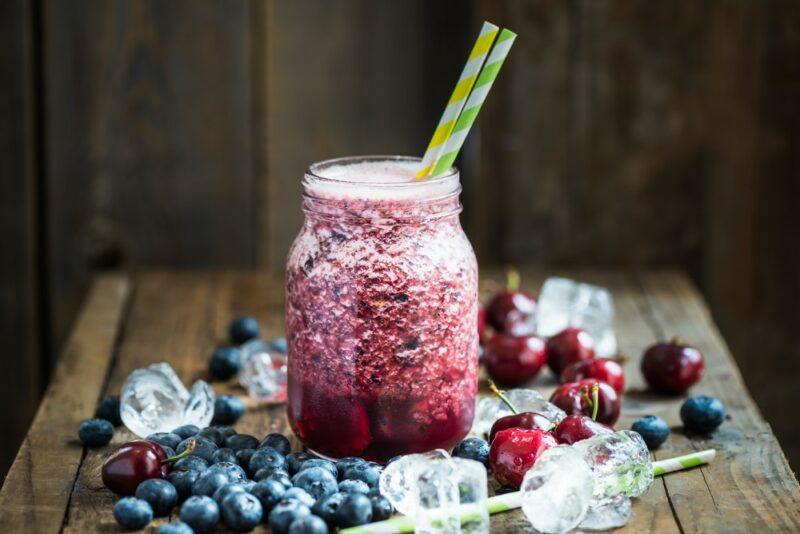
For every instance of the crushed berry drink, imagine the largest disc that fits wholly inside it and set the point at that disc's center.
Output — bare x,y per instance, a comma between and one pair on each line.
381,311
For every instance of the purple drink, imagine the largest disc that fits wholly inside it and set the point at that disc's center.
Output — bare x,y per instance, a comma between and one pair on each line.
381,311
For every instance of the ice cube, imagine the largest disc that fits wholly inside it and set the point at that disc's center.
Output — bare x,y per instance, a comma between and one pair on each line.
557,490
263,371
154,399
490,409
397,480
613,514
620,464
450,497
564,302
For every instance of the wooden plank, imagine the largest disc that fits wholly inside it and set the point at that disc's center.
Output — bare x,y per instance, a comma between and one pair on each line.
149,156
38,487
21,364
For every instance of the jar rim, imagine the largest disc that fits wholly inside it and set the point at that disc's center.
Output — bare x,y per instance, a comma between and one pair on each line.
314,171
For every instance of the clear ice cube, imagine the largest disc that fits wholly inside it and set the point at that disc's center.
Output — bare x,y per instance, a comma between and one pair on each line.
557,491
154,399
263,371
490,409
620,463
564,302
613,514
397,481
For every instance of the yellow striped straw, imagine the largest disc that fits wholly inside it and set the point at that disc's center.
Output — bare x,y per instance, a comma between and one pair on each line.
456,103
476,98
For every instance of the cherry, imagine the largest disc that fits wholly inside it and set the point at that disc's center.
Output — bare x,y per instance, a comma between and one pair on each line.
510,311
530,420
575,428
135,462
577,398
603,369
515,450
567,347
481,323
672,367
514,360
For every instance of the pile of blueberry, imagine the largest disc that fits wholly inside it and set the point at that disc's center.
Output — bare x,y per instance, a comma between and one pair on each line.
241,482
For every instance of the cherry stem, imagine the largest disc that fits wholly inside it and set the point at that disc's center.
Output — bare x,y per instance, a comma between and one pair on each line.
621,358
676,340
184,454
512,279
595,400
502,397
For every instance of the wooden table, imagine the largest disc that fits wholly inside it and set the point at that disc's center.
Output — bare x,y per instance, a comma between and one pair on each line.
179,317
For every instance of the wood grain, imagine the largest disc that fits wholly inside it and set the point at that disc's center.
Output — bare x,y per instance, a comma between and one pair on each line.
39,485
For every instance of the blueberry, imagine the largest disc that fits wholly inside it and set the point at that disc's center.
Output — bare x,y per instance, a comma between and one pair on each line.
702,414
186,431
227,409
308,525
369,472
200,512
295,459
355,510
227,489
226,431
279,344
108,409
299,494
238,442
213,434
224,363
279,442
327,465
169,451
233,471
316,481
283,479
326,508
209,482
203,447
266,457
183,482
175,527
269,492
343,464
473,449
381,507
224,455
159,494
132,513
266,472
653,430
95,432
167,439
190,463
243,458
243,329
241,511
355,486
285,513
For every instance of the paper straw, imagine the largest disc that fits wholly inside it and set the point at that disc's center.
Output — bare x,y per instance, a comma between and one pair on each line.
510,501
473,105
459,96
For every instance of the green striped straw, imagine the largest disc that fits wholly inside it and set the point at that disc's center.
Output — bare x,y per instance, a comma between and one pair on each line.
459,96
476,98
509,501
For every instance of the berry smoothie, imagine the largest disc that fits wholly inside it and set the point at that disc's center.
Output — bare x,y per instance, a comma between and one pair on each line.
381,312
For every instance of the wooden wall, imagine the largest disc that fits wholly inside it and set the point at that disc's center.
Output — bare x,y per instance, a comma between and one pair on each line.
621,132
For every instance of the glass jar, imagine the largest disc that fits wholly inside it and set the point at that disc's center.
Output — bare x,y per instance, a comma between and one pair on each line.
381,311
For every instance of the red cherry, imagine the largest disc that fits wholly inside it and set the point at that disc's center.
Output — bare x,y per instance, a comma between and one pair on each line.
531,420
576,398
515,450
575,428
672,367
511,311
133,463
481,323
567,347
603,369
514,360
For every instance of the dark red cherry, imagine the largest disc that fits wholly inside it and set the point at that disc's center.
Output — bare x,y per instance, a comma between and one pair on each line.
603,369
135,462
672,367
515,450
530,420
577,398
574,428
513,360
569,346
481,323
511,311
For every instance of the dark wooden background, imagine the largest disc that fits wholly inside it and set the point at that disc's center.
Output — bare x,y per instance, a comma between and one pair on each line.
624,133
